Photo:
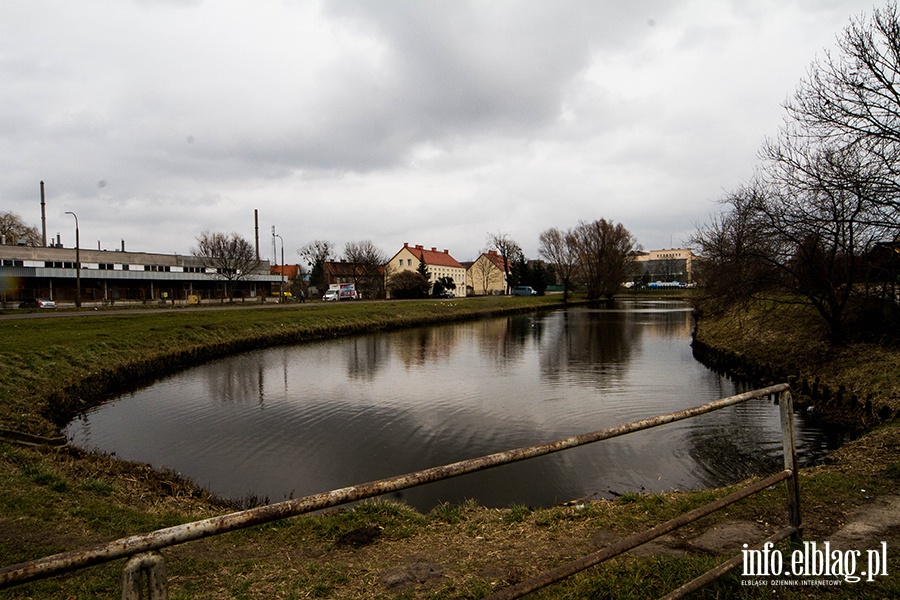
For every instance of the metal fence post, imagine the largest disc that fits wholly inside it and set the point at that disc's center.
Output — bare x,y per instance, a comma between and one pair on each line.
154,566
786,406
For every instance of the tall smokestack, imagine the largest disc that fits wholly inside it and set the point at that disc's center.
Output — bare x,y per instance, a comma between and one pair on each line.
43,217
256,229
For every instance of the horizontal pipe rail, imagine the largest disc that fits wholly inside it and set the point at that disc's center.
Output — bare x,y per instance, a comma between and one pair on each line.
156,540
716,572
633,541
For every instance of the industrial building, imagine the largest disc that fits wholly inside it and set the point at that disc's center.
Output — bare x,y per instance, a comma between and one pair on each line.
109,277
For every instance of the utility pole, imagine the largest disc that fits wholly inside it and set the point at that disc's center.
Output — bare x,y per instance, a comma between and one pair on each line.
282,267
256,230
77,262
43,217
274,255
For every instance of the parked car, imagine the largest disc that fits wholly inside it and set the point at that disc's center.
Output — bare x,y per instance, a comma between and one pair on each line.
348,294
524,290
38,303
331,296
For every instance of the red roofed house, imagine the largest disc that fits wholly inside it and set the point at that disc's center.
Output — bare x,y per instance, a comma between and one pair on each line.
293,284
291,272
487,275
440,264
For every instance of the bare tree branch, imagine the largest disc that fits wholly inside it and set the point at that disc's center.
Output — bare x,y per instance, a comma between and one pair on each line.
231,257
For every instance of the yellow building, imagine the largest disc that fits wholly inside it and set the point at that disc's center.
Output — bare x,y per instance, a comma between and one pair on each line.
440,264
486,276
670,265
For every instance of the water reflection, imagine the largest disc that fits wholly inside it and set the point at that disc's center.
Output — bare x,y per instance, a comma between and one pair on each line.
295,421
591,347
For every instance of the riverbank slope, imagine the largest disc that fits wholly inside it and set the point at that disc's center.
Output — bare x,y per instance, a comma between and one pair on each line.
54,366
57,498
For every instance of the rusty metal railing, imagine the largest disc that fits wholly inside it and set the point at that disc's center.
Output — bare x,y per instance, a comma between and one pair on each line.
790,475
146,546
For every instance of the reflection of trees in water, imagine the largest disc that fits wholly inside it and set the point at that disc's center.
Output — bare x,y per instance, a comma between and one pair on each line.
365,355
504,341
424,345
521,329
594,345
237,381
665,324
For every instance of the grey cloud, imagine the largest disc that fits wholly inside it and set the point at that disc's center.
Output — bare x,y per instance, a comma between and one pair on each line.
473,69
199,112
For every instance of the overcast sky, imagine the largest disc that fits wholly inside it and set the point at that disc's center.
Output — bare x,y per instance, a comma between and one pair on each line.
432,122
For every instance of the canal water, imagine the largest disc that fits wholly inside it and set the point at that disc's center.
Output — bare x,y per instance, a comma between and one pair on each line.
292,421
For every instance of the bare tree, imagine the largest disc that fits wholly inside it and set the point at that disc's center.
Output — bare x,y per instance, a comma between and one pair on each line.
508,250
798,233
485,273
606,254
735,261
852,100
231,257
13,230
820,218
827,193
560,249
368,261
316,253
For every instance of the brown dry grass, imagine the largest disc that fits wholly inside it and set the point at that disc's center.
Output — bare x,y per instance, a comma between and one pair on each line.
792,338
59,499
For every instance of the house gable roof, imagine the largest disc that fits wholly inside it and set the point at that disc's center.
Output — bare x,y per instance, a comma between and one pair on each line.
432,257
495,259
290,271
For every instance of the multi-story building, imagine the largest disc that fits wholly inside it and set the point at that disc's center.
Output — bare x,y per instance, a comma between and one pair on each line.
674,265
439,264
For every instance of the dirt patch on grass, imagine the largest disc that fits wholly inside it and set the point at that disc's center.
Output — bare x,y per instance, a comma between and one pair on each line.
871,524
853,498
469,551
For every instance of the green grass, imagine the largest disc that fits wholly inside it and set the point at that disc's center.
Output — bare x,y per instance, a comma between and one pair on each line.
340,553
51,368
792,338
58,499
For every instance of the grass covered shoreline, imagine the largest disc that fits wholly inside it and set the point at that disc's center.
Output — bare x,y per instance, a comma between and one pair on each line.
54,499
52,368
791,340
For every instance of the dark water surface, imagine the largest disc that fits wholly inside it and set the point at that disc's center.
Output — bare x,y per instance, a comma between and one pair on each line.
289,422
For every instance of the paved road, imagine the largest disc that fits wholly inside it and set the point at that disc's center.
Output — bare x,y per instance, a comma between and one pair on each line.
87,312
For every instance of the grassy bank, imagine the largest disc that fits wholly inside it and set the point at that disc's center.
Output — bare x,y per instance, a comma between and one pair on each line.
56,499
791,340
51,368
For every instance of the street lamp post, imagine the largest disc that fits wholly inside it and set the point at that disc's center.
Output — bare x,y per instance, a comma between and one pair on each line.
77,262
281,295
